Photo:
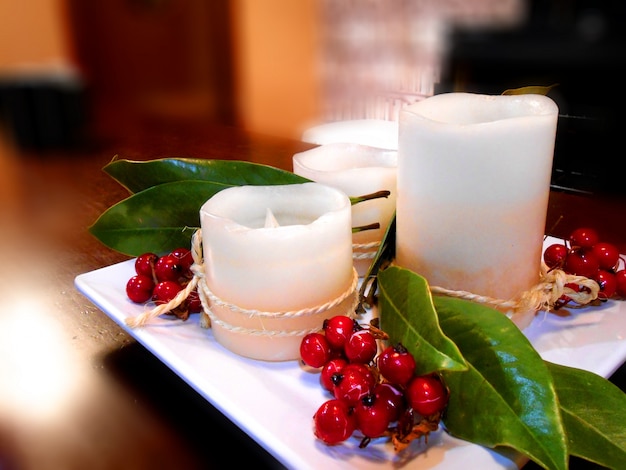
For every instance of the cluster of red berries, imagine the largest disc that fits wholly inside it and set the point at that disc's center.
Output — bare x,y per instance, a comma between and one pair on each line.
585,254
376,394
160,278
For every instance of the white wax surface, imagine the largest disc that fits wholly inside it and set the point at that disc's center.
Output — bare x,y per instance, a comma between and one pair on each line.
473,184
357,170
304,262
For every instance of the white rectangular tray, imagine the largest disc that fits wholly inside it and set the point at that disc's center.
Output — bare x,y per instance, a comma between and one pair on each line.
274,403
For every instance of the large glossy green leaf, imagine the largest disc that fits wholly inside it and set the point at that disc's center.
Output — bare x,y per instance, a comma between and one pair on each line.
507,396
408,316
157,219
139,175
594,414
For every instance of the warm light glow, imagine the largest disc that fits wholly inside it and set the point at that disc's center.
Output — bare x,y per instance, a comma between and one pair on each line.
36,381
32,34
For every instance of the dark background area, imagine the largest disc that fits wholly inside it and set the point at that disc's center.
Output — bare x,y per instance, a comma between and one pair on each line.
134,60
581,47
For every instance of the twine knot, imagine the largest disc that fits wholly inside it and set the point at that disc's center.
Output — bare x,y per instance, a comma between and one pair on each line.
197,270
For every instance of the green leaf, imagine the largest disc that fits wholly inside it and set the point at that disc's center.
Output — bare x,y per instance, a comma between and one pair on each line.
531,89
407,315
594,414
139,175
507,396
157,219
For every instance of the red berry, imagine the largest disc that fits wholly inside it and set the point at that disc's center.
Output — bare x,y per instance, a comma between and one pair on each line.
168,268
393,397
372,416
620,281
607,282
583,237
336,353
554,255
582,263
139,288
334,422
314,350
396,364
427,395
351,385
363,369
184,258
338,329
165,291
144,264
331,368
193,302
361,346
607,254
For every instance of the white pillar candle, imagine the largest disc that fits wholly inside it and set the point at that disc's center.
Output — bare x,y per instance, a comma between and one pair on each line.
357,170
272,250
473,184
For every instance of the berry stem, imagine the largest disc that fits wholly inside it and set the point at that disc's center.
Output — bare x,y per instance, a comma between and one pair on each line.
377,195
362,228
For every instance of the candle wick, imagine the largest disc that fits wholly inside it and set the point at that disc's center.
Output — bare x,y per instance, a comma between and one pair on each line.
270,220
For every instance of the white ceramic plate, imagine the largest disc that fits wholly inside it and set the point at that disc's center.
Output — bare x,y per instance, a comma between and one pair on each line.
274,402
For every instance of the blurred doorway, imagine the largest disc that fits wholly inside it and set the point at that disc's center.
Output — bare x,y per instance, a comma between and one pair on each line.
154,59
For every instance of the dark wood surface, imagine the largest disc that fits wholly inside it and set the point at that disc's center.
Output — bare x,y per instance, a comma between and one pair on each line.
76,391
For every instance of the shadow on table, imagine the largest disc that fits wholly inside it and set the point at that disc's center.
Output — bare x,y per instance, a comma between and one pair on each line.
210,434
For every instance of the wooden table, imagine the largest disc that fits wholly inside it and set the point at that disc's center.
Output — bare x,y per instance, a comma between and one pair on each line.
76,391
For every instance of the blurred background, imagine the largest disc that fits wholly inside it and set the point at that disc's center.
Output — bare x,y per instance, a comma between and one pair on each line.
92,73
75,72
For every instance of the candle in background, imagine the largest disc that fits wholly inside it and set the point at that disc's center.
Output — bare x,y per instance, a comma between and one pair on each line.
473,184
379,133
276,249
357,170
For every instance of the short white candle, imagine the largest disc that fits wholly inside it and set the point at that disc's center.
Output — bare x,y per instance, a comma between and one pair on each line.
357,170
473,185
276,249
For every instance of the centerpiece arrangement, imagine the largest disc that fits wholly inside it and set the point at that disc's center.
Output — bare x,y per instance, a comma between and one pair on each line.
500,392
169,194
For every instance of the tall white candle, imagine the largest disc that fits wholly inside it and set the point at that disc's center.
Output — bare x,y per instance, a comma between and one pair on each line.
272,250
357,170
473,185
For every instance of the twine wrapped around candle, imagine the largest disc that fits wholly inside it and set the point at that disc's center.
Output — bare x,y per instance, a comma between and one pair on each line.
207,298
552,285
365,250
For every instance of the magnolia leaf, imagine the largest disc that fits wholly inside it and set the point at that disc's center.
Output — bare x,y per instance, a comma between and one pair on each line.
407,315
158,219
594,414
507,396
139,175
172,191
531,89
